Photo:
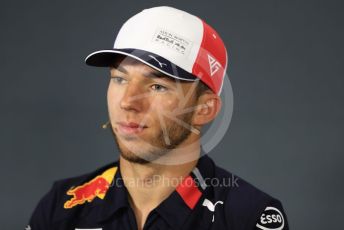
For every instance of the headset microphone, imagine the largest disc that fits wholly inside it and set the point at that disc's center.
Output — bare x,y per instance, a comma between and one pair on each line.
106,125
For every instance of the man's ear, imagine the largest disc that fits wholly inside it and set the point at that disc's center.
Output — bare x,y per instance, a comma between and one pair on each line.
208,107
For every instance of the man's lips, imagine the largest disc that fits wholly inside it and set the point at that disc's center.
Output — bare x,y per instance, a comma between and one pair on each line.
130,127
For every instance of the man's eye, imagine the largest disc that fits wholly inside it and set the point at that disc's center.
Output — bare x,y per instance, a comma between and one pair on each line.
118,80
159,88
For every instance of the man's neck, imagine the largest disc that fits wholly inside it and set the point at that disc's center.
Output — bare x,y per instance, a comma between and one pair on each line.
149,184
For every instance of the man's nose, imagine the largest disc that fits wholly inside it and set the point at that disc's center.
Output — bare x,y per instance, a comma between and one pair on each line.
134,98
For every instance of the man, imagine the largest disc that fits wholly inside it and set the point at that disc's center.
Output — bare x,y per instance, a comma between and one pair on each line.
167,69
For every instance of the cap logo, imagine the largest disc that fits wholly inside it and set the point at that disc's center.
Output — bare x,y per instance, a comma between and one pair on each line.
160,63
214,65
172,40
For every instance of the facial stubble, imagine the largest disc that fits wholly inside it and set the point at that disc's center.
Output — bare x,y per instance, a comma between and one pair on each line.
175,133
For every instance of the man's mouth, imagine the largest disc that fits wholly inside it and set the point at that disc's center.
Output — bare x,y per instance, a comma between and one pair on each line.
130,128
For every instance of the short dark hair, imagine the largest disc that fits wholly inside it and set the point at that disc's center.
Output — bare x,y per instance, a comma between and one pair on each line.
201,88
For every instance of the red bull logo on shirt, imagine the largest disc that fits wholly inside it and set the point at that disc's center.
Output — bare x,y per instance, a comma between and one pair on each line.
97,187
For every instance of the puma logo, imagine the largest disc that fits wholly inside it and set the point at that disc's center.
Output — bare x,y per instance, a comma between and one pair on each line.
207,203
160,63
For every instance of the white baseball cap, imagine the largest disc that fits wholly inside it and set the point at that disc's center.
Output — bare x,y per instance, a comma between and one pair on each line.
173,42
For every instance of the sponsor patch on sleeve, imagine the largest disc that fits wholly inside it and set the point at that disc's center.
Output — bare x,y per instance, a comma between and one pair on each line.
271,219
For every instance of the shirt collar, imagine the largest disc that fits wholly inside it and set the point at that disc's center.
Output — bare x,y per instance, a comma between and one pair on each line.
175,209
180,204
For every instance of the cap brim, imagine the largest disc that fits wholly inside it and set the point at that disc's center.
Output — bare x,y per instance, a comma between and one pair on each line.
106,58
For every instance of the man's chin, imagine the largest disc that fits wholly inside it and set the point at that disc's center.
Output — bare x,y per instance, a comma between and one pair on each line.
141,156
134,158
139,151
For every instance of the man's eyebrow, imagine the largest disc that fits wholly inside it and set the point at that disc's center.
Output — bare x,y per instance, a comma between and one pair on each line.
151,74
157,74
120,69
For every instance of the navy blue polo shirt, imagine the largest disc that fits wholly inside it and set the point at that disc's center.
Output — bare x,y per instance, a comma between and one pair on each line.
208,198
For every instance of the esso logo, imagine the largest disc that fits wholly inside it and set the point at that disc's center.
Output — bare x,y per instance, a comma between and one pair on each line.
271,219
264,219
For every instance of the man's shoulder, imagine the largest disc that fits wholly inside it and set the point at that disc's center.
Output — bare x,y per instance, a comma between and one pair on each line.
226,183
245,204
85,187
107,170
237,187
65,194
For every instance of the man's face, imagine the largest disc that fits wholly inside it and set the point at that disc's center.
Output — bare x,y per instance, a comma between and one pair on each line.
150,113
